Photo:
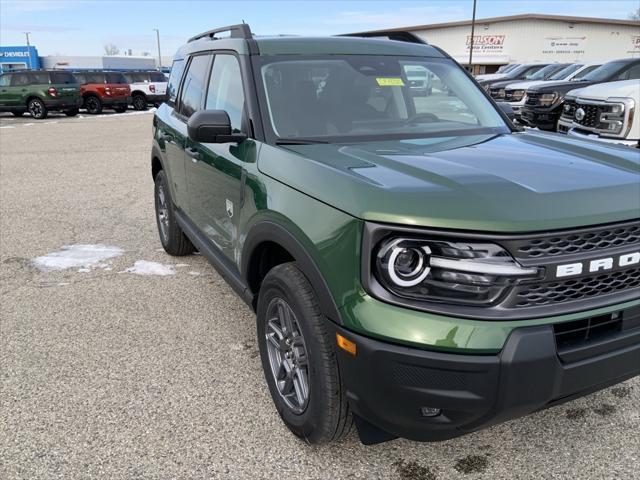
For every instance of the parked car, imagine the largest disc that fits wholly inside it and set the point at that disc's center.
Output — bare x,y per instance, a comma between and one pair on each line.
147,87
420,81
501,73
515,93
497,89
544,103
522,72
103,88
604,112
39,92
421,267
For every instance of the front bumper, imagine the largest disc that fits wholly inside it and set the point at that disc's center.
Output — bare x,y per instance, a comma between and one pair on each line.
388,385
614,141
545,118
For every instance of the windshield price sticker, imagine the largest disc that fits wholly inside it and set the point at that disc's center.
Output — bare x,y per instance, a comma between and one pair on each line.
390,82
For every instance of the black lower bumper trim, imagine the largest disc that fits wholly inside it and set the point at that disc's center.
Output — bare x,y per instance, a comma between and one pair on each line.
389,385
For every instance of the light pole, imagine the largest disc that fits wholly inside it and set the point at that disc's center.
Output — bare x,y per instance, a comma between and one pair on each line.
473,29
28,48
159,55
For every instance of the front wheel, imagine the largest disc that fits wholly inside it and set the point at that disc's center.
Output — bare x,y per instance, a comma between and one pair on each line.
139,102
93,105
37,109
173,240
298,358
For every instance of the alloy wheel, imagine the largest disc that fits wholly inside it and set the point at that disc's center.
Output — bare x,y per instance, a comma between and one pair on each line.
162,212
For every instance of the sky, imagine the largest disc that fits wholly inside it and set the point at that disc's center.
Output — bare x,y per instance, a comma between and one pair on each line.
84,27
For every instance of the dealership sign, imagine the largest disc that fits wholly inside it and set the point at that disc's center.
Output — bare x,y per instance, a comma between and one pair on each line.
564,45
635,44
486,43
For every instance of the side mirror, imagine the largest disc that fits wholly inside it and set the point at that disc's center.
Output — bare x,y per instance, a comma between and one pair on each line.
506,108
212,126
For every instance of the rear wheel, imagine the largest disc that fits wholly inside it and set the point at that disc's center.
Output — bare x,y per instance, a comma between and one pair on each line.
139,102
173,240
17,114
71,113
37,109
298,358
93,105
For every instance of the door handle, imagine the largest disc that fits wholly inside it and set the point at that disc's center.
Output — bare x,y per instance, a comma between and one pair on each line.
193,153
166,138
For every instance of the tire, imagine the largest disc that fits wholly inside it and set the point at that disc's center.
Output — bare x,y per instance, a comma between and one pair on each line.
93,105
17,114
323,415
173,240
71,113
121,109
37,109
139,102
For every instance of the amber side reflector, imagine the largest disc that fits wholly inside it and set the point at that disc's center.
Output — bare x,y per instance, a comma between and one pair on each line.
346,345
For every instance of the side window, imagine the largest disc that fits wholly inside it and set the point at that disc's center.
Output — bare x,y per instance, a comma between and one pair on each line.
82,79
174,81
20,79
631,73
193,88
39,78
225,89
5,80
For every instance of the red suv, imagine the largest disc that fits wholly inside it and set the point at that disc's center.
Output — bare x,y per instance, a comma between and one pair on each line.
101,89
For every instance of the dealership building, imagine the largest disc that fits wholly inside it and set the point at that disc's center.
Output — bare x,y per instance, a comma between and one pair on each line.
533,38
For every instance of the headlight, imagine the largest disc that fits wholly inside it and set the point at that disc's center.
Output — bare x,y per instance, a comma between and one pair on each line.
517,95
447,271
613,118
547,99
500,93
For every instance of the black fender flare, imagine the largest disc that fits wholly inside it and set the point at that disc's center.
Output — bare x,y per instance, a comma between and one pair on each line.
272,231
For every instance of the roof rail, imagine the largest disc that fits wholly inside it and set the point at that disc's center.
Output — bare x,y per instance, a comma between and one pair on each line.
241,30
400,36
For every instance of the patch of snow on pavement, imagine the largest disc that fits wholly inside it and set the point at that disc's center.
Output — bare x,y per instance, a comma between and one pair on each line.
83,257
143,267
195,274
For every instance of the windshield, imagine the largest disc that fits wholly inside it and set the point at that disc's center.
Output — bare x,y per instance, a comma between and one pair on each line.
565,72
604,72
366,95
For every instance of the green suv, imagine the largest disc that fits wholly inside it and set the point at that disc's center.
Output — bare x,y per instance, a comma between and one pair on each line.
38,92
417,264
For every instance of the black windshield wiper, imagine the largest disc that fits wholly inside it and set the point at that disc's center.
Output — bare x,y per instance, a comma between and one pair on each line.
298,141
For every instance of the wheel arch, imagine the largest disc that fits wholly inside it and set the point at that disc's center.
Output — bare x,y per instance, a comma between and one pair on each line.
156,162
269,237
32,97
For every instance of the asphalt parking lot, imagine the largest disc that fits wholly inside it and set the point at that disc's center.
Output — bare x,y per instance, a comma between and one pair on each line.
110,374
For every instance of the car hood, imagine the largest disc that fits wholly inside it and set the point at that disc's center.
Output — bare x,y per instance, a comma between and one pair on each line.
524,84
498,183
602,91
490,76
561,86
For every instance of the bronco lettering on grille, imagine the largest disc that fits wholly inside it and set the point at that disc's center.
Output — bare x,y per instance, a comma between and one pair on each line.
600,264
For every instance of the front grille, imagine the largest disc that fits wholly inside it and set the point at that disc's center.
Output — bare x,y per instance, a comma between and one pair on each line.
509,96
532,98
586,330
592,115
550,293
578,242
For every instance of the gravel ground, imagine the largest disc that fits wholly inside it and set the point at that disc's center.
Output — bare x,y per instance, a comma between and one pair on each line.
107,374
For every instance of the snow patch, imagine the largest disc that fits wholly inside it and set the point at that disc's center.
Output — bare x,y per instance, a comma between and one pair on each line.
143,267
83,257
195,274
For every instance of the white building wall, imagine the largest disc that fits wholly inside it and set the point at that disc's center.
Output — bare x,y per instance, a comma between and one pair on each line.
518,41
99,62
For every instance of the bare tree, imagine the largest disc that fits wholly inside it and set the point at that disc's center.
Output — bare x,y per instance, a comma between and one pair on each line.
111,49
635,15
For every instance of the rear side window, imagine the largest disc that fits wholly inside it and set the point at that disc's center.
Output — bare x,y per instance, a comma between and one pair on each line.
62,77
174,81
157,77
92,77
20,79
5,80
141,77
632,73
115,78
193,87
39,78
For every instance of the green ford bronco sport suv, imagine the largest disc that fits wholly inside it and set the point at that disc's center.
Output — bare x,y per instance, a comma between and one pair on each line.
417,264
38,92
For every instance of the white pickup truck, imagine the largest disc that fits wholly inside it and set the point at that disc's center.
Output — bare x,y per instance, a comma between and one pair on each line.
606,111
146,87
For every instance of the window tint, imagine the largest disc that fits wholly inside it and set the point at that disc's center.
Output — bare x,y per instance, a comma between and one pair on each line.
141,77
115,77
632,73
128,76
585,72
157,77
81,77
62,77
90,77
39,78
174,81
225,89
20,79
193,87
5,80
